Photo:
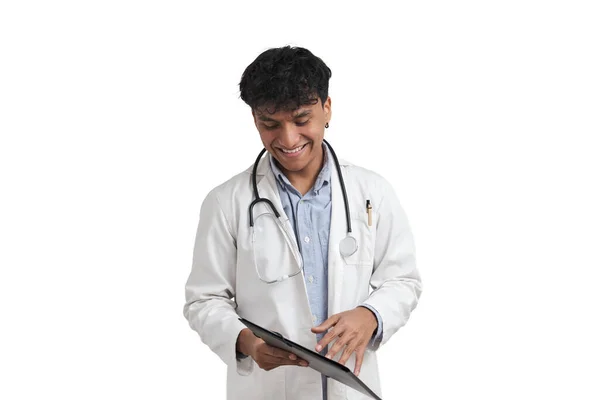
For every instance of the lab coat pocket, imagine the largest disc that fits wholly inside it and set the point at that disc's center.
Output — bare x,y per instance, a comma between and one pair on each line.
259,385
364,235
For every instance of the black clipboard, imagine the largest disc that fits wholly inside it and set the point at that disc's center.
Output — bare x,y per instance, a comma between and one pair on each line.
325,366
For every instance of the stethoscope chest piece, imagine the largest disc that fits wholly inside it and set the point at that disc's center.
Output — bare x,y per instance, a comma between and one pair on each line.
348,246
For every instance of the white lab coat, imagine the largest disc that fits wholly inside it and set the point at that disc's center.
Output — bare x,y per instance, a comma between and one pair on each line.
223,283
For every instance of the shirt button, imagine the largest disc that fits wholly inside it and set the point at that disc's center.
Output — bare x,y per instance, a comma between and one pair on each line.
314,318
306,239
311,279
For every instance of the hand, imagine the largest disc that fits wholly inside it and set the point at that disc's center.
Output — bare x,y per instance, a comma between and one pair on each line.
266,357
353,329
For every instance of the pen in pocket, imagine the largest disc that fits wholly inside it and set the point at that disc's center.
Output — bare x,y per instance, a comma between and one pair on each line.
369,208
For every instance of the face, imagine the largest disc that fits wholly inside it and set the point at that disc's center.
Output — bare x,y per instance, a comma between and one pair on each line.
295,137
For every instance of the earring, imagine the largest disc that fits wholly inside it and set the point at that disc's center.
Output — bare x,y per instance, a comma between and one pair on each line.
326,124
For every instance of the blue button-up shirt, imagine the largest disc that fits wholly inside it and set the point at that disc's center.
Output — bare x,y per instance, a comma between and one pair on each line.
310,217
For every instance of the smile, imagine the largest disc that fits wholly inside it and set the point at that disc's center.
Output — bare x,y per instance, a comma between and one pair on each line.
293,152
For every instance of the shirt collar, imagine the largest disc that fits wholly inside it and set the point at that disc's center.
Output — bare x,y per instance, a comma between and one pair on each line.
323,177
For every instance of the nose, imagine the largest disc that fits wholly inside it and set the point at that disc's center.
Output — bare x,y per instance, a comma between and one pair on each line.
289,135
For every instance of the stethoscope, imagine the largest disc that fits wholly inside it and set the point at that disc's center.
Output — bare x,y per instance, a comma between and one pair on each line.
348,245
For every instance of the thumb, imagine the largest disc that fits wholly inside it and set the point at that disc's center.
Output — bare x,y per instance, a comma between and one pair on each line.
328,323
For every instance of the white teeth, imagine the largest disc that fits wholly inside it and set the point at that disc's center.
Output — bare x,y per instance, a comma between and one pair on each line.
297,149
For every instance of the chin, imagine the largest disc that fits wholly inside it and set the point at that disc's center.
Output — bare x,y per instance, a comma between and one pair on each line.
293,166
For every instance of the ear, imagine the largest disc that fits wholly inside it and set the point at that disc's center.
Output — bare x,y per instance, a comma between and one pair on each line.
327,109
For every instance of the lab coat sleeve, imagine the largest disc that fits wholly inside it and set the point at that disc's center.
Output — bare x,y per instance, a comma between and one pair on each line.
210,289
395,280
376,337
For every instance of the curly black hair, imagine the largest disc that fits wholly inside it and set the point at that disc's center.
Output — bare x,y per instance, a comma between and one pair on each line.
285,78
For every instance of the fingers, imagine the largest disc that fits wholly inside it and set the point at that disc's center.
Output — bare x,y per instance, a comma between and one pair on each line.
280,361
351,347
339,344
347,353
328,338
279,353
360,353
269,364
348,342
269,357
328,323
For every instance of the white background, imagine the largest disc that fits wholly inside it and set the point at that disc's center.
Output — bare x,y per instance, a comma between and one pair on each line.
117,118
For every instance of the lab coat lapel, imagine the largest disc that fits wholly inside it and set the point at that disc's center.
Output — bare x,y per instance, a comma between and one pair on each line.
267,188
337,232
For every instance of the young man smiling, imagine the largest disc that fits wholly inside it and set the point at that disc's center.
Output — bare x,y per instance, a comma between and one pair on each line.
326,304
295,140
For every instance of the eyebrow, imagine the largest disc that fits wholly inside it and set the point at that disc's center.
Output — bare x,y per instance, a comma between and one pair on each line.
300,115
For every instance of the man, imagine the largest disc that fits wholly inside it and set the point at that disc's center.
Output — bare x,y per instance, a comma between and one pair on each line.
294,274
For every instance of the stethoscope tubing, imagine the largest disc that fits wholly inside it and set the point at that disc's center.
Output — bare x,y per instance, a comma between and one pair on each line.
258,199
343,186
